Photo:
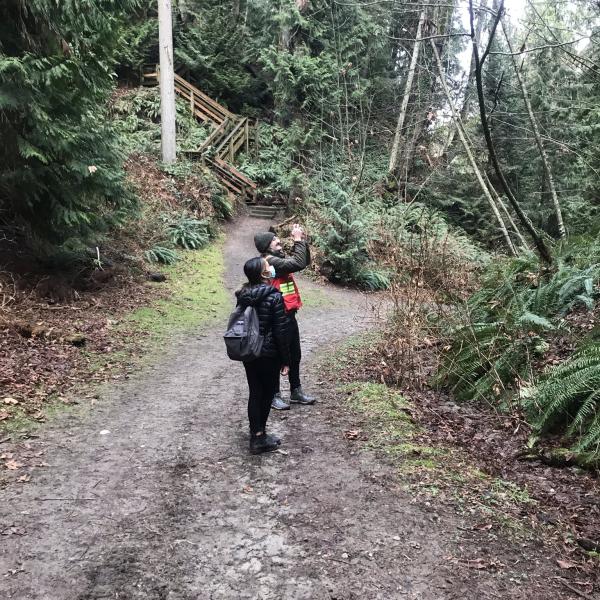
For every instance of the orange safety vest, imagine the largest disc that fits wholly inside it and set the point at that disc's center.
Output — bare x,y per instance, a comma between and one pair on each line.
289,290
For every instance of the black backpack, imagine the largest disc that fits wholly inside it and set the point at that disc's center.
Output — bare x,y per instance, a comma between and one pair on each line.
242,338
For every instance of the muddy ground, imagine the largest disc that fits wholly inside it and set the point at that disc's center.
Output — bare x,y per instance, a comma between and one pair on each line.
151,494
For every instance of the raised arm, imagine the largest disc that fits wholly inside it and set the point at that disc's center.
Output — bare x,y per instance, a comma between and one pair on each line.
298,260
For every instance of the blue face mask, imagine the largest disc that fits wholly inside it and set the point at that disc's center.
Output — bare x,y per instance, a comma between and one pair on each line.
271,272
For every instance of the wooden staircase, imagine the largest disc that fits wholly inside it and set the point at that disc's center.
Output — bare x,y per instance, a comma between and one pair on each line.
229,135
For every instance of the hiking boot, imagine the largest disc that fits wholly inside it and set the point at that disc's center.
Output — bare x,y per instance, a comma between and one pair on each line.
278,403
262,443
273,439
299,397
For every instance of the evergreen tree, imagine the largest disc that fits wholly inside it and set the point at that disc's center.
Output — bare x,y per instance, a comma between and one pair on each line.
60,165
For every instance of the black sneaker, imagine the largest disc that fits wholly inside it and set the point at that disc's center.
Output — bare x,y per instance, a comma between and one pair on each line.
278,403
299,397
262,443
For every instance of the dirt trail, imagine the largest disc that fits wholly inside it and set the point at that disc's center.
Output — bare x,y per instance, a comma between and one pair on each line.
152,495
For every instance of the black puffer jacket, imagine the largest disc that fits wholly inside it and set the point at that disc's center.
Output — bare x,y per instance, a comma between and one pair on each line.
271,314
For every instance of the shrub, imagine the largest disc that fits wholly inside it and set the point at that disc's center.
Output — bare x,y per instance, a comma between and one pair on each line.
506,324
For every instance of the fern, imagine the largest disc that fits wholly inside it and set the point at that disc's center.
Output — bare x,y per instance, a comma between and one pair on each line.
507,321
373,279
568,398
485,360
222,205
160,254
189,233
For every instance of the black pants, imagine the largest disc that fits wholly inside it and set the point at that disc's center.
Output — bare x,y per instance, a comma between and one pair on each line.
263,381
295,352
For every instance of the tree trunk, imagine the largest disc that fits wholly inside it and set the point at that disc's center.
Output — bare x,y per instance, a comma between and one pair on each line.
471,157
538,138
167,83
464,111
394,156
500,202
537,240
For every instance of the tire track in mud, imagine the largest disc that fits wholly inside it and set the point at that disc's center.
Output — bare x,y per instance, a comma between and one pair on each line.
169,505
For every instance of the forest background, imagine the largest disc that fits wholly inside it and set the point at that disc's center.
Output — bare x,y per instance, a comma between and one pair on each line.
445,151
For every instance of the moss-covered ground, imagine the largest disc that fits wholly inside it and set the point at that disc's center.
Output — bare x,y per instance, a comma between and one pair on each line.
197,296
391,426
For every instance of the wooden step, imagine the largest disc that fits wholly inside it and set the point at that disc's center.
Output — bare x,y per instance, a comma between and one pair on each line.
259,211
229,135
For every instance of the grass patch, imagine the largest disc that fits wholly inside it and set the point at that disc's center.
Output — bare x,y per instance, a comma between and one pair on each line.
198,296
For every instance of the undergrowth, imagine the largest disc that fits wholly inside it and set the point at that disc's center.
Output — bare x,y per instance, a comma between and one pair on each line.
504,333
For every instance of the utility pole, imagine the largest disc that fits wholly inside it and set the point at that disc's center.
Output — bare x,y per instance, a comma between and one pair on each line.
167,81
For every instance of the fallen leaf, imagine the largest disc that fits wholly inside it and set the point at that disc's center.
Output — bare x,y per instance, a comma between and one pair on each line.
478,563
12,465
352,434
12,530
9,400
565,564
4,414
24,478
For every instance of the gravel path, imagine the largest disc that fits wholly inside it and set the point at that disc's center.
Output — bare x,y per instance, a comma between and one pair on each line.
152,494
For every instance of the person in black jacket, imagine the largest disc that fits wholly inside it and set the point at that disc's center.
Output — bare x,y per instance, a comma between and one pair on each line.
269,245
263,372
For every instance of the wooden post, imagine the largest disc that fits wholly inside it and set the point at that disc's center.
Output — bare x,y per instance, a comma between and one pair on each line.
231,154
192,103
246,136
167,81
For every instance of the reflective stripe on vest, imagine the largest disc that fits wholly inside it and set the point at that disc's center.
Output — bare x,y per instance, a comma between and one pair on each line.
289,290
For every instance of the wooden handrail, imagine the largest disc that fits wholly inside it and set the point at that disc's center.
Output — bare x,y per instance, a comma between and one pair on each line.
207,99
229,134
215,134
204,108
236,173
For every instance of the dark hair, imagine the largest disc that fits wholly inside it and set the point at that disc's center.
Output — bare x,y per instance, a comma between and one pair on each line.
253,269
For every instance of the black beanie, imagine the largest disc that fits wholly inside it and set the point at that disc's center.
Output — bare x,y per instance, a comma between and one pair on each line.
262,241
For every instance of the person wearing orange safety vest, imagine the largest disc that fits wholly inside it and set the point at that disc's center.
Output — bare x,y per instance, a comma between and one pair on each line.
283,269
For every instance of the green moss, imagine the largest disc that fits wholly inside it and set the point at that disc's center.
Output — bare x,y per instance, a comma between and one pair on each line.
18,422
21,422
198,296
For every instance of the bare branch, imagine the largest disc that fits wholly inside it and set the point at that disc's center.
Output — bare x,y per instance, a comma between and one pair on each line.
536,48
